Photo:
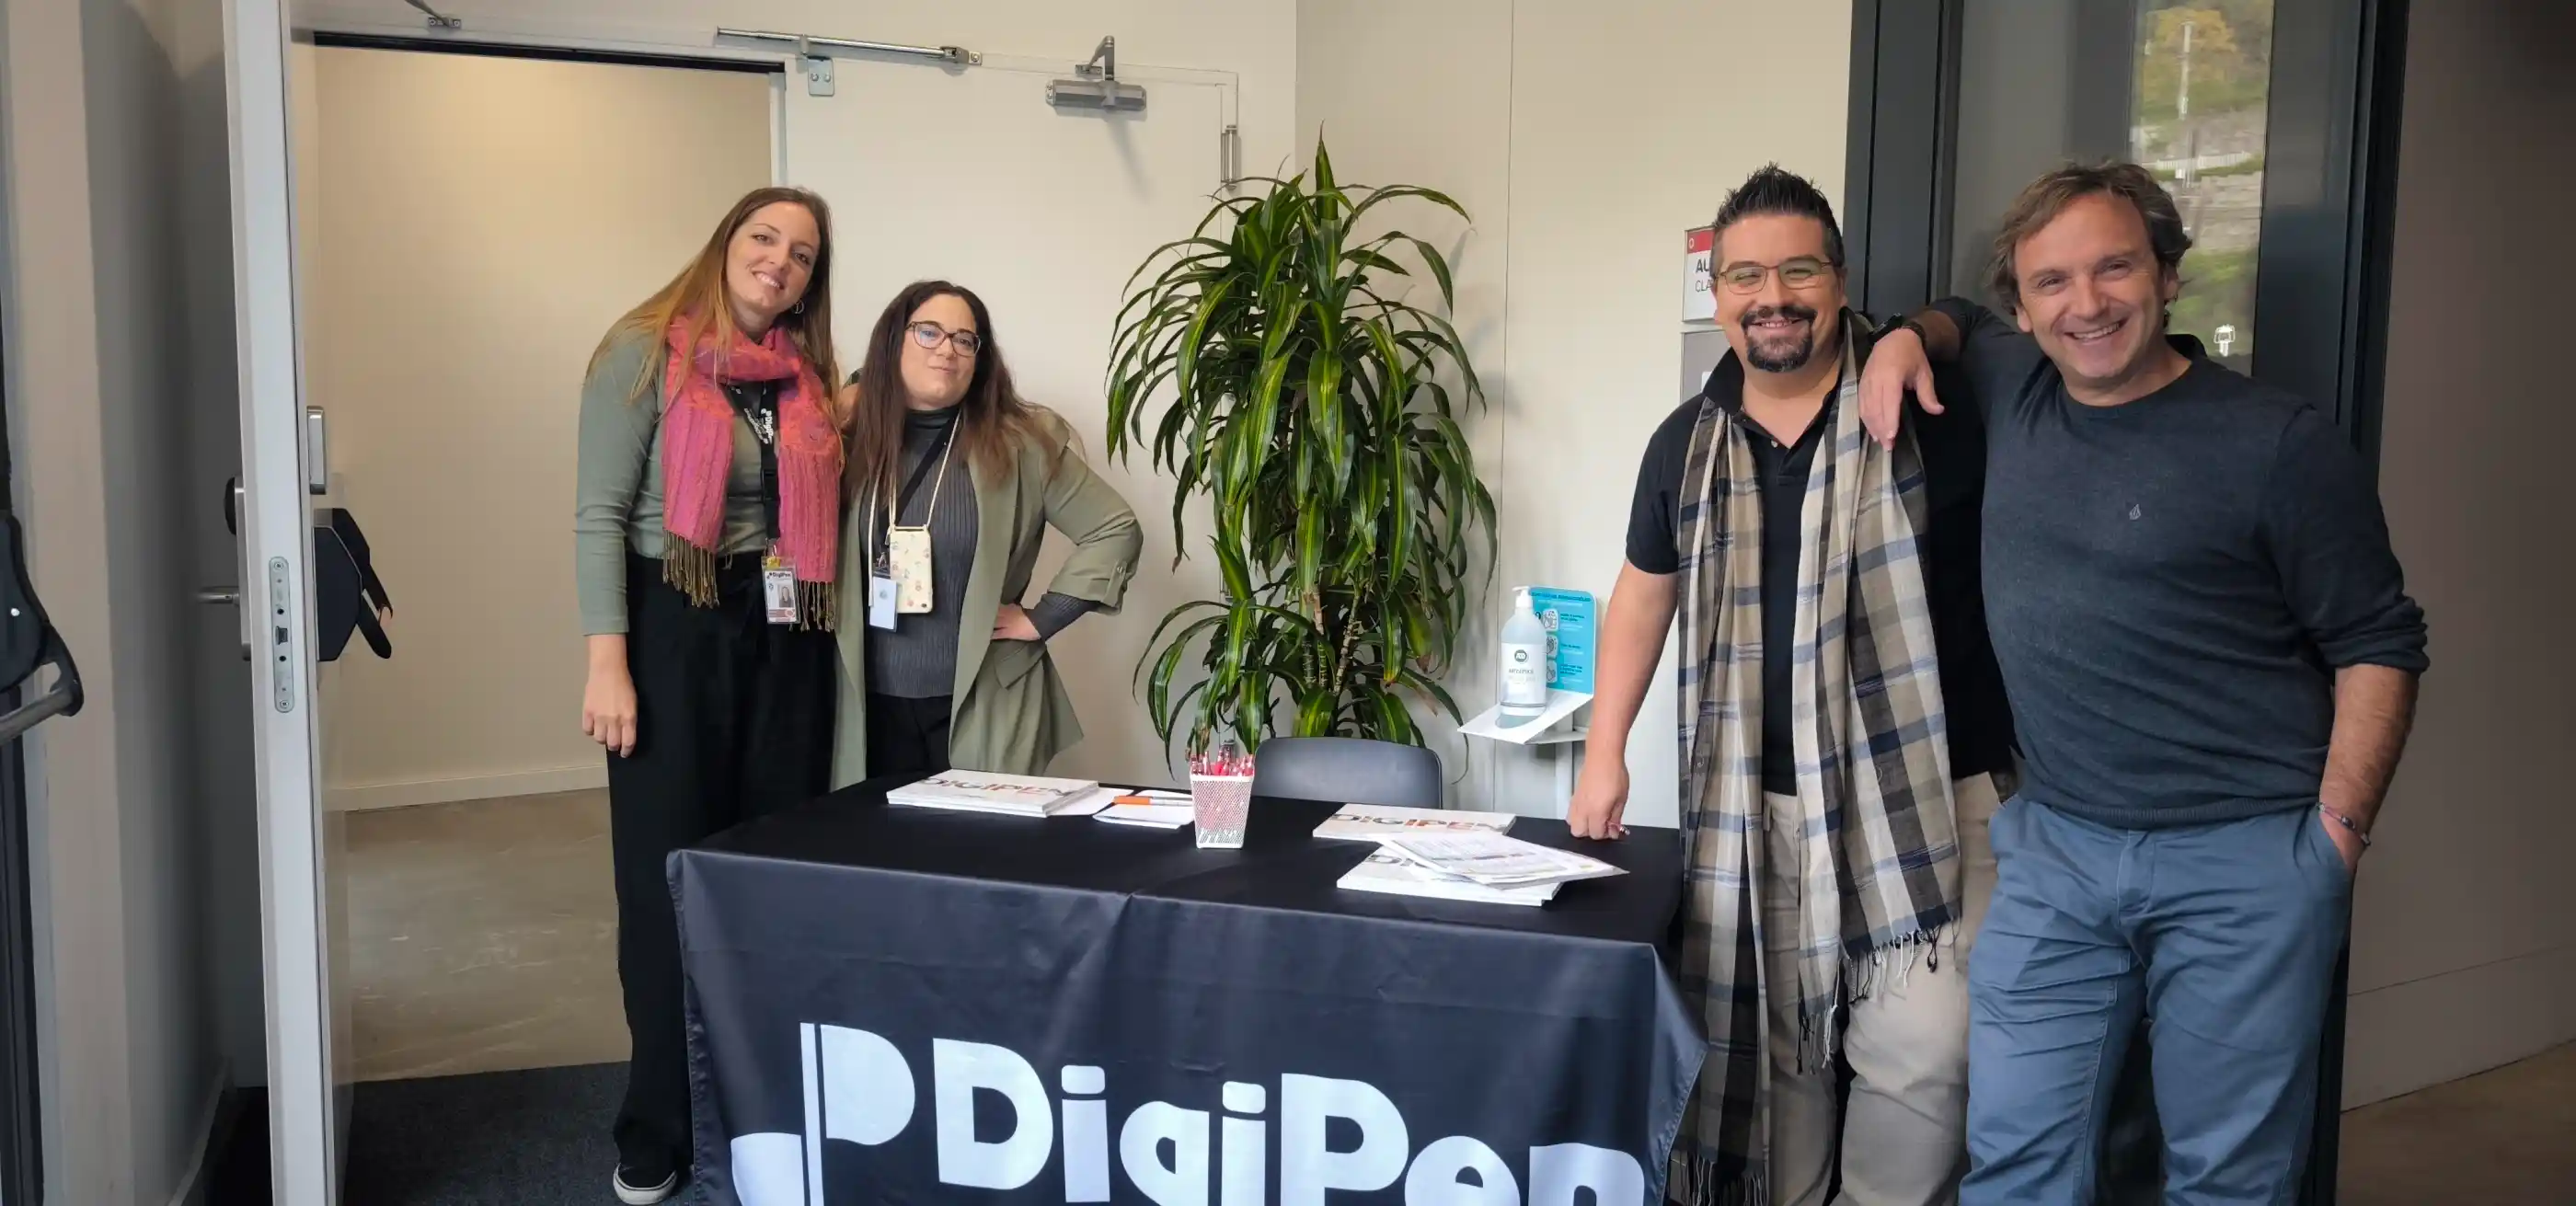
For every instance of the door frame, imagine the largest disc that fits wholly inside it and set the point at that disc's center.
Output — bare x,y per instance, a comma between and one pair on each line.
276,586
306,1107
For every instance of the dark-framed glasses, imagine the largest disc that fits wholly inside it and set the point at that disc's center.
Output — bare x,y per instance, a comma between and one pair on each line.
930,335
1803,272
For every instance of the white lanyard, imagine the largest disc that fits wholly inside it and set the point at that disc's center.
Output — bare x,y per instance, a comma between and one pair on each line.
893,521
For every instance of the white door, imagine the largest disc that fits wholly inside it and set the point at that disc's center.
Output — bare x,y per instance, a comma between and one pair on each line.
307,1099
970,176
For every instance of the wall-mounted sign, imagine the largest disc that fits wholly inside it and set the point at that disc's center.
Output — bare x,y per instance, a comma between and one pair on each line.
1567,616
1699,298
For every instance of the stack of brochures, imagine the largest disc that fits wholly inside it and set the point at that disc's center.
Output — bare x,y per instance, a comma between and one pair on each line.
1397,876
1012,795
1378,822
1483,866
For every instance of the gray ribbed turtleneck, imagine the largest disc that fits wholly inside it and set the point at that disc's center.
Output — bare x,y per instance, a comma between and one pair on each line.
918,660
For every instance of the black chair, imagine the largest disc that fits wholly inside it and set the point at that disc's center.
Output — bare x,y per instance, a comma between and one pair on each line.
1347,770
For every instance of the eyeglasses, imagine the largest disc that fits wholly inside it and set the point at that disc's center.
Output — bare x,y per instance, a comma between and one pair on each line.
930,335
1804,272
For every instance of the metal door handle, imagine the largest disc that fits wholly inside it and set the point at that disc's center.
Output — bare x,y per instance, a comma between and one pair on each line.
317,451
219,594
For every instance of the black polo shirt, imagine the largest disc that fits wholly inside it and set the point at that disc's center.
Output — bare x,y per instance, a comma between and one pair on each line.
1953,448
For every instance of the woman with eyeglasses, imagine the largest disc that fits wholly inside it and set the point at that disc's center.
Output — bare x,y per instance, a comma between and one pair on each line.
707,556
954,479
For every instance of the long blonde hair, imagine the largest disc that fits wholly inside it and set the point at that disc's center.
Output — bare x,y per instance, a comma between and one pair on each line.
698,293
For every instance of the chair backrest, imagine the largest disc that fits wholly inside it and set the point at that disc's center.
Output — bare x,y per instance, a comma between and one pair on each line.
1347,770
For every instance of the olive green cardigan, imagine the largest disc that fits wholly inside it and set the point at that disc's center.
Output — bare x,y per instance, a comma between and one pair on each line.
1010,712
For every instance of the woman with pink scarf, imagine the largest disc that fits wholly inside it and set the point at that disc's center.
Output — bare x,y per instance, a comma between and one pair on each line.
706,540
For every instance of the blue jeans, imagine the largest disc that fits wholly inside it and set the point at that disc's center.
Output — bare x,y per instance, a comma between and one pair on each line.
2225,935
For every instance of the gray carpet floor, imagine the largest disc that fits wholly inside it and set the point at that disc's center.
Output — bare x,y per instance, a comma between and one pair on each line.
533,1138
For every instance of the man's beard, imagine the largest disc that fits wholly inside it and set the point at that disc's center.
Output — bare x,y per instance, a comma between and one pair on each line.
1778,356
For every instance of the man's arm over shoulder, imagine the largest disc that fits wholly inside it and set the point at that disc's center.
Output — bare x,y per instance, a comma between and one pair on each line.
1990,352
1989,365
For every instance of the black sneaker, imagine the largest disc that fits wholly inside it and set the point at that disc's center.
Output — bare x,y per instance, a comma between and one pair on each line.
646,1182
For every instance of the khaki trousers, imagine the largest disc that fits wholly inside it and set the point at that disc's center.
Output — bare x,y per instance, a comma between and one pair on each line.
1902,1137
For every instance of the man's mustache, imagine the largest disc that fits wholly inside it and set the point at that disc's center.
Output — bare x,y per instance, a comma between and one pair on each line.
1764,313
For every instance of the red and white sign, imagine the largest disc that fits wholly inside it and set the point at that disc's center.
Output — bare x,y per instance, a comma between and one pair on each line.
1699,297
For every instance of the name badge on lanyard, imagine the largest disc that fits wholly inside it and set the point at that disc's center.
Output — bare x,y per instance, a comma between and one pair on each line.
881,602
759,411
778,589
901,583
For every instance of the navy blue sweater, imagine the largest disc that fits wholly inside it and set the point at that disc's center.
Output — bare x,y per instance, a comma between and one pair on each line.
2172,583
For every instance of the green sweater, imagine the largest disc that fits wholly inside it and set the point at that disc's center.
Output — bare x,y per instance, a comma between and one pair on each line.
617,483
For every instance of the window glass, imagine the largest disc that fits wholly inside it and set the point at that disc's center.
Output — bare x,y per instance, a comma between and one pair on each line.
2200,84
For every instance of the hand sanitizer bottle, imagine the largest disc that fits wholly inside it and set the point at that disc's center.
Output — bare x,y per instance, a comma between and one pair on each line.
1524,660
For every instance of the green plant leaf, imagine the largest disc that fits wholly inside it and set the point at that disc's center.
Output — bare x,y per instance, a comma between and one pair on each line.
1399,192
1264,372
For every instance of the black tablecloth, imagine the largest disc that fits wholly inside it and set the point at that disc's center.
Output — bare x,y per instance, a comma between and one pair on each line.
984,1008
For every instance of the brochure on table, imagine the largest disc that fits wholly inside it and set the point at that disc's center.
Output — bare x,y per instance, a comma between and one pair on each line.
1378,822
1394,875
1009,795
1496,860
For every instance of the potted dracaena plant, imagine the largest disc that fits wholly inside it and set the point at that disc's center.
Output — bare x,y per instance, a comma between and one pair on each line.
1273,364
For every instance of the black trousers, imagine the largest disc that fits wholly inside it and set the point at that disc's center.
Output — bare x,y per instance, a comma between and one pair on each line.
733,719
907,737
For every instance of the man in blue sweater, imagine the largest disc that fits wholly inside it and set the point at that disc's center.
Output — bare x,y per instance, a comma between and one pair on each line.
2211,661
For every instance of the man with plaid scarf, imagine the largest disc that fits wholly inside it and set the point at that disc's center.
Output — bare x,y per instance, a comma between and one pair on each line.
1837,775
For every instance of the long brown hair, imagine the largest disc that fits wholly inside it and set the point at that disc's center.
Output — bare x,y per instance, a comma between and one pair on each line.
698,292
991,416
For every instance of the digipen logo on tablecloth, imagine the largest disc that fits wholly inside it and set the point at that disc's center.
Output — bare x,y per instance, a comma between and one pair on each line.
860,1090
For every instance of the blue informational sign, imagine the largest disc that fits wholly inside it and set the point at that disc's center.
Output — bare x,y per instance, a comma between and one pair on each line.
1568,617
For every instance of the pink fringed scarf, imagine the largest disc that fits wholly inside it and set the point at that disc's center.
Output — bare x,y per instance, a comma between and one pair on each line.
697,461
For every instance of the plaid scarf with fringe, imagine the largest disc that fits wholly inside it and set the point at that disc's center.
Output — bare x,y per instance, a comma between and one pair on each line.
1881,866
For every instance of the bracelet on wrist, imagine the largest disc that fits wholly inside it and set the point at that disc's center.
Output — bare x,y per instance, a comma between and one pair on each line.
2347,822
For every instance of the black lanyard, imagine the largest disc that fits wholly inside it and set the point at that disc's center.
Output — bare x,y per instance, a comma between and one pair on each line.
757,403
912,486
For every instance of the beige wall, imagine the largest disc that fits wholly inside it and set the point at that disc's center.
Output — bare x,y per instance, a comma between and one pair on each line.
1394,114
1584,138
2464,947
481,221
98,389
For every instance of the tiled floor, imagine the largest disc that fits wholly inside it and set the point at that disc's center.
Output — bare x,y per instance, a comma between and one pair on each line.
484,937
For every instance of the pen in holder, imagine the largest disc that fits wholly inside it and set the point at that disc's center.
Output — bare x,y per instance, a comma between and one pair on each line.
1221,796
